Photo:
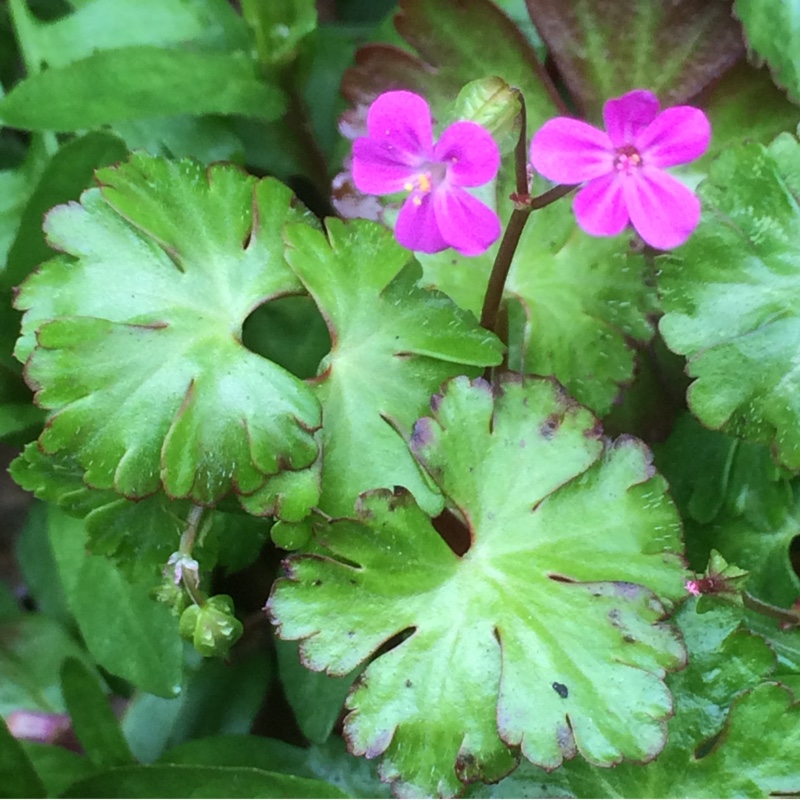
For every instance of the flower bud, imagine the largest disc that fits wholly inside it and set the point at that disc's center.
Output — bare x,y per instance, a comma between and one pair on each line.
212,628
494,105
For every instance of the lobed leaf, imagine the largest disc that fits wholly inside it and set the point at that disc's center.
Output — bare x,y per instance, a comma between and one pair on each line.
731,298
393,344
541,636
141,361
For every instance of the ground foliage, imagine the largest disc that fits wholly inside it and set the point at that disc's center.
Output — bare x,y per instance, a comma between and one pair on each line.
555,558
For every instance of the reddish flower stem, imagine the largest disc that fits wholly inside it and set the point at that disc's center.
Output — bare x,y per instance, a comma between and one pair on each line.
524,204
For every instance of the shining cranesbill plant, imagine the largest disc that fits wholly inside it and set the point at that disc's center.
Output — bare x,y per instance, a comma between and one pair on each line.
426,491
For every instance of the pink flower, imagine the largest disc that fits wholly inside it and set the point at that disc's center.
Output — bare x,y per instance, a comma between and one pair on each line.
623,168
399,154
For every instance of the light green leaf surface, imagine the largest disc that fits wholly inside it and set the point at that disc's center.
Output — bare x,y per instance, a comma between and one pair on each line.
142,81
145,320
772,32
560,522
111,24
57,767
731,297
725,663
279,26
393,345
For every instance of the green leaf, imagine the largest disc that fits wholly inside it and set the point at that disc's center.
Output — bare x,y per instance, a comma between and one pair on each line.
394,344
32,650
38,566
142,81
67,174
215,698
17,775
111,24
725,663
316,699
127,633
772,32
332,763
604,48
180,781
57,767
93,720
279,26
559,522
731,298
712,474
744,105
148,341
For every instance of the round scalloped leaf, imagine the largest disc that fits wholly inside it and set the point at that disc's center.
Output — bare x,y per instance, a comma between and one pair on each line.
549,629
393,344
137,347
732,298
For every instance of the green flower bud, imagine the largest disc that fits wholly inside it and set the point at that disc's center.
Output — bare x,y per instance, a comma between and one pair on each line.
213,628
495,105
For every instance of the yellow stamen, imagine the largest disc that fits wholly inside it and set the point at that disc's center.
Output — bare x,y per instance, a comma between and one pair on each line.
416,200
408,186
424,183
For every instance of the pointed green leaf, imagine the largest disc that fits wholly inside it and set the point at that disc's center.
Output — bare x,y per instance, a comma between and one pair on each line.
18,778
93,720
145,360
393,345
125,630
731,298
545,629
141,81
189,780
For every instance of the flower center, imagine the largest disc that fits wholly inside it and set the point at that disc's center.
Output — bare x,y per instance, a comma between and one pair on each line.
627,159
432,174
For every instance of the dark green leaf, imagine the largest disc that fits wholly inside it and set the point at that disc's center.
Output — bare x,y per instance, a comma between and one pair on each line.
772,30
18,778
604,48
57,767
126,631
215,698
93,720
316,699
181,781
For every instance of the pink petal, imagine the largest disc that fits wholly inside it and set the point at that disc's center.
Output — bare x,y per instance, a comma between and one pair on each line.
600,206
417,228
466,224
678,135
567,150
625,117
379,168
403,120
662,209
471,155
